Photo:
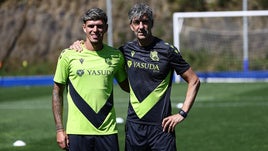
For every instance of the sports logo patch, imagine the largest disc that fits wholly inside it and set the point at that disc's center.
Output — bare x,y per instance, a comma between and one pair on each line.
80,72
154,55
129,63
81,60
132,53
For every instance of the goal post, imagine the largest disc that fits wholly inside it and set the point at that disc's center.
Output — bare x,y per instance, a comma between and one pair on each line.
178,19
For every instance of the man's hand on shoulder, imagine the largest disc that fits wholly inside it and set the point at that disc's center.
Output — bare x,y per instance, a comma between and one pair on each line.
77,46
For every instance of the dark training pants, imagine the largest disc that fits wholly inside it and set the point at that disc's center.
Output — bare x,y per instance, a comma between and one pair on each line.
143,137
93,143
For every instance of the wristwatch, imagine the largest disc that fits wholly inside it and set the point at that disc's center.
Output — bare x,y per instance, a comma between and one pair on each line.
183,113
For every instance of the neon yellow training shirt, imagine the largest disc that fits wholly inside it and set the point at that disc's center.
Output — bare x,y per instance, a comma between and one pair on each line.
89,76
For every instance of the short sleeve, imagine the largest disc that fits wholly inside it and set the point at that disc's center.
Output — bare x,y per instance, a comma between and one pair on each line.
177,62
61,74
121,74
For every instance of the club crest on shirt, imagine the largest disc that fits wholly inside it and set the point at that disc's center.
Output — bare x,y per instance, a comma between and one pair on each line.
154,55
80,72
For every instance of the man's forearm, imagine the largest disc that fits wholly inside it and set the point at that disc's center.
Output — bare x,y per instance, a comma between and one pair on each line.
57,106
191,95
192,90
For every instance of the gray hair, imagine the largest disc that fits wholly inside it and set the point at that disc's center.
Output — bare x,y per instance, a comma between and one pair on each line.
95,14
139,10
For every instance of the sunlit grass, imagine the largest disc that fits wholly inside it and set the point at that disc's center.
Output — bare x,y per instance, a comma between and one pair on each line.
224,117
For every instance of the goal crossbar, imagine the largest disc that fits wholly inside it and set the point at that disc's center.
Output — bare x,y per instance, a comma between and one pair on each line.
179,16
220,14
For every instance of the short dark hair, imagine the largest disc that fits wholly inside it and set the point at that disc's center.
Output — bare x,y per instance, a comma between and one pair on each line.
95,14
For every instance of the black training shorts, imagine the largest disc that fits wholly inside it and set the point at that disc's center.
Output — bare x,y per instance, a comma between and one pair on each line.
143,137
93,143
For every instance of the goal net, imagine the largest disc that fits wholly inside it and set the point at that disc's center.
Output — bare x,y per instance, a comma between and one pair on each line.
223,41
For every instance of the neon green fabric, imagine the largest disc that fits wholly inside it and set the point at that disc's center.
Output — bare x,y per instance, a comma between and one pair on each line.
92,74
141,108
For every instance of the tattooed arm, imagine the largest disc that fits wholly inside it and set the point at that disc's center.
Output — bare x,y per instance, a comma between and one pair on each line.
57,108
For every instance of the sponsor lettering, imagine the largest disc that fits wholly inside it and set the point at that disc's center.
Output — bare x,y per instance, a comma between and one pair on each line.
99,72
143,65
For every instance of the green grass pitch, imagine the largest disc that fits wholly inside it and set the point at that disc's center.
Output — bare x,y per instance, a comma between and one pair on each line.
225,117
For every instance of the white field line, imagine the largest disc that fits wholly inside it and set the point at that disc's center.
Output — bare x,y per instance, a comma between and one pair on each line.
228,104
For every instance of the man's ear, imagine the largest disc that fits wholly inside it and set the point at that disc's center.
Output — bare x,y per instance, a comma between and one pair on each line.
106,28
131,27
84,27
